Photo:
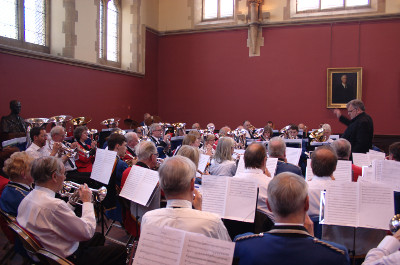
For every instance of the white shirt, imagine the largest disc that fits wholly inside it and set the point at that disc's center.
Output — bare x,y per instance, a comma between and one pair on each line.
36,151
68,167
226,168
387,253
179,214
53,222
262,180
315,186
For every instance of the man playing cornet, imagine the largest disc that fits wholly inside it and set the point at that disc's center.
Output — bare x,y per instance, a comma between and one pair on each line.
54,224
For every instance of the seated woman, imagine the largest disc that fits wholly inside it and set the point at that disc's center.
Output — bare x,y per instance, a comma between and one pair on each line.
17,168
85,162
193,154
223,163
209,141
268,133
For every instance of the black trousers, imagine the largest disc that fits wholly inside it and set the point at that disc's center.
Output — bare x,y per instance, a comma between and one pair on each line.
94,252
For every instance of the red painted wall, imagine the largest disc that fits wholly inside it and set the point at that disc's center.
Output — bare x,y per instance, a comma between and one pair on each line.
209,77
47,89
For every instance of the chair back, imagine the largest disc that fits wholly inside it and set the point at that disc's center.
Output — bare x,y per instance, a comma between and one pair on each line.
5,219
49,258
30,243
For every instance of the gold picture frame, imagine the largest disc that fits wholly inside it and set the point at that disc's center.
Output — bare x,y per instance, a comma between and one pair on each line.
344,84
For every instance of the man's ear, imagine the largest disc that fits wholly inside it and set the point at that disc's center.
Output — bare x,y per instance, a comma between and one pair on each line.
307,204
269,207
54,177
192,184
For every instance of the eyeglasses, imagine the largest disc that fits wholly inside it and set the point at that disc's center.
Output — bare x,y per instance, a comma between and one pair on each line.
156,154
350,111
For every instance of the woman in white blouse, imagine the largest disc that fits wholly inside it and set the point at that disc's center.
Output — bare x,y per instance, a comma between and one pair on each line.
223,164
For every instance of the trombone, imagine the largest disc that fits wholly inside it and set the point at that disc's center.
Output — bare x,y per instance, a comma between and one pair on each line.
70,190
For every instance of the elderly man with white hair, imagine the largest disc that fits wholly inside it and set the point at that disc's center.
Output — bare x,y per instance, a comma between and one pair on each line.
162,142
277,149
177,176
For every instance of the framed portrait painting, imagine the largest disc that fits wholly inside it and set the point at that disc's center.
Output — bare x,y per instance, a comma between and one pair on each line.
344,84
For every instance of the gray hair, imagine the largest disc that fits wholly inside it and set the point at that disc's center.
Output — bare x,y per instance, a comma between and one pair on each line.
323,161
224,131
276,147
286,194
153,127
342,148
254,155
57,130
224,149
145,149
176,174
357,104
129,136
190,152
44,167
326,127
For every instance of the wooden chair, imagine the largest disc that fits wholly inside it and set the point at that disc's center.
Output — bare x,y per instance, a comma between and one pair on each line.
5,219
47,257
30,243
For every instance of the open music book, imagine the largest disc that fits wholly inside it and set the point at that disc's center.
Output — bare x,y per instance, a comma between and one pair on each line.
140,185
173,246
103,165
386,171
358,204
230,198
360,159
343,171
293,155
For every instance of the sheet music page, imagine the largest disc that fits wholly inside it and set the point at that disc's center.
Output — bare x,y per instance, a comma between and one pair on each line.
376,205
199,249
139,185
293,155
309,172
240,168
214,194
237,152
241,200
159,246
360,159
203,162
271,165
343,171
387,171
375,155
103,165
368,174
341,204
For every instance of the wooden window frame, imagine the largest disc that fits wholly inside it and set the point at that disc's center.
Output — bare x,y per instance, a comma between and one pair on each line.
20,41
102,58
218,18
333,9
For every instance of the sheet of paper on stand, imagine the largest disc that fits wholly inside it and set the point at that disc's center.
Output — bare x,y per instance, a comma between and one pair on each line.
343,171
203,161
237,152
387,171
240,167
271,165
173,246
358,204
230,198
140,185
103,165
293,155
360,159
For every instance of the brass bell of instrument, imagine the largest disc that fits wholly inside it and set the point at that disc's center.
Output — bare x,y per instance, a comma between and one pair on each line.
60,120
318,135
37,122
111,121
80,121
394,224
258,133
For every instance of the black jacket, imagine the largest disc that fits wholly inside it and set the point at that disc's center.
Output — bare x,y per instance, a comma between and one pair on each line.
359,132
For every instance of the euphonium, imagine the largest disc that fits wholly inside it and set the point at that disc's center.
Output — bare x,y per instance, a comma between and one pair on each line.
257,133
318,135
394,223
97,195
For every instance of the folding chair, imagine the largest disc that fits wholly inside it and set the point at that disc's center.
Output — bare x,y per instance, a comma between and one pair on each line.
47,257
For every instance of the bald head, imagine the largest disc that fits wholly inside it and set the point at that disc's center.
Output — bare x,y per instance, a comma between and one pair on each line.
224,131
342,147
323,161
255,156
277,147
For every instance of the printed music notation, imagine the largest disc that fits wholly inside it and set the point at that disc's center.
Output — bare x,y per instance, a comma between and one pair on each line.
103,165
173,246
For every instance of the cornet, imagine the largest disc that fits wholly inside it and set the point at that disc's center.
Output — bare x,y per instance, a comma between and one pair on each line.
97,195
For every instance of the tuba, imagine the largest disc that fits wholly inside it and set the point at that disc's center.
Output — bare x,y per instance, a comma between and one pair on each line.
70,190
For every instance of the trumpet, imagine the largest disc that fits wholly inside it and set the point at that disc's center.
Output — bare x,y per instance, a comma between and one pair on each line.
69,186
75,151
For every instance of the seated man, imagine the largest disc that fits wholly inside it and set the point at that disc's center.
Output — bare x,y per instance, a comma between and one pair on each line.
342,147
292,132
37,148
54,224
196,126
291,240
162,144
248,127
277,149
394,151
387,252
132,140
177,175
147,157
255,158
323,164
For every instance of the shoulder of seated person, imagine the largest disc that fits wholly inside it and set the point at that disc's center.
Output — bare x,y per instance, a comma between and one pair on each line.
247,236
